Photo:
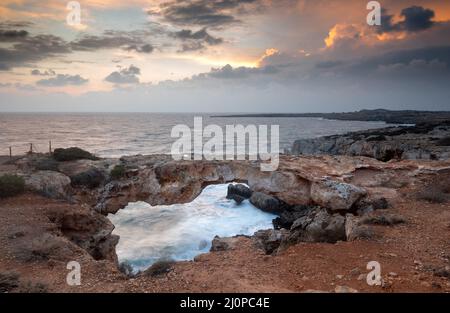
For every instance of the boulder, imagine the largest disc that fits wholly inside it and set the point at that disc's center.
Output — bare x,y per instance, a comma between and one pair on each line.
48,183
334,195
266,203
367,206
238,190
270,240
317,225
224,244
89,230
289,216
354,230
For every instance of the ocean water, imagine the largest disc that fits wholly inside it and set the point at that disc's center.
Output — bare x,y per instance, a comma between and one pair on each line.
117,134
182,231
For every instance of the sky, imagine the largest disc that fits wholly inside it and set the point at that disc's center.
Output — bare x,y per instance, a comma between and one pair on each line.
275,56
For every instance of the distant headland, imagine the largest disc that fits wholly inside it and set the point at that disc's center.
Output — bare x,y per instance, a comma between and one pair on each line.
388,116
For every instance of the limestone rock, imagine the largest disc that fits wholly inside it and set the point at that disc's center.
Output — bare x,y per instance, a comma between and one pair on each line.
48,183
224,244
336,195
270,240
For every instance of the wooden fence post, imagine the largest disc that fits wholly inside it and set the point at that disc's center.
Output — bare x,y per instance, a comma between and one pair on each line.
10,152
50,147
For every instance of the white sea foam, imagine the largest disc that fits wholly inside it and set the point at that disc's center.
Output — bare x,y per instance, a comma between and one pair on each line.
182,231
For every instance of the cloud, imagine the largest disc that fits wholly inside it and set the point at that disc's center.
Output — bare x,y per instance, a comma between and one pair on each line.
196,40
27,48
127,75
62,80
415,19
12,35
37,72
147,48
32,49
201,12
242,72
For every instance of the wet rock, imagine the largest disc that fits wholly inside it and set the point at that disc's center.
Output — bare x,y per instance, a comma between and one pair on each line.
239,190
48,183
238,199
224,244
335,195
270,240
289,216
266,203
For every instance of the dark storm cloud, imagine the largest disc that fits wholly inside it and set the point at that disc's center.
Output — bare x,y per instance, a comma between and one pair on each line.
202,12
62,80
32,49
12,35
415,19
127,75
196,40
27,48
203,35
130,41
431,61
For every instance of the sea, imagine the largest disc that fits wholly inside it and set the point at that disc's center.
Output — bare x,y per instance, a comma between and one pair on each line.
119,134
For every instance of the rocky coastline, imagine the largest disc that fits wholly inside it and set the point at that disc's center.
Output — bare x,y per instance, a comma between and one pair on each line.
319,199
429,140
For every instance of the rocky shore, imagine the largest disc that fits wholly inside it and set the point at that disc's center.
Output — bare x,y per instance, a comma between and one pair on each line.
430,141
332,207
388,116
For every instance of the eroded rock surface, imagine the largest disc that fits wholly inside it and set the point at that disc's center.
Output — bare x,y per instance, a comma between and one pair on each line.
429,141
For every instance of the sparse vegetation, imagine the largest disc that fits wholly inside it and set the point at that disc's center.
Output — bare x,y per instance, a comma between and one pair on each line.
11,185
443,142
46,164
91,178
385,220
159,268
72,154
437,191
30,287
8,281
118,172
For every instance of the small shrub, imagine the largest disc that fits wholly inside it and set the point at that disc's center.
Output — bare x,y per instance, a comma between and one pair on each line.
91,178
11,185
8,281
437,191
385,220
72,154
118,172
30,287
444,142
159,268
46,164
